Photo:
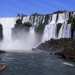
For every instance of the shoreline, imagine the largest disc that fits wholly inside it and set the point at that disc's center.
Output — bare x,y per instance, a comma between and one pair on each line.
63,48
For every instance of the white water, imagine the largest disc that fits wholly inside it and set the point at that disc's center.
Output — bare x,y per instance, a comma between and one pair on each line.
26,42
50,29
49,32
61,18
68,64
65,31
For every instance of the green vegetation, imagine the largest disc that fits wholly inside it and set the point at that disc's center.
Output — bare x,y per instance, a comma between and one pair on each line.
27,24
40,28
19,24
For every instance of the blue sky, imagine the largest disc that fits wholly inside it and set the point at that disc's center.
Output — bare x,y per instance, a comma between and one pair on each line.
12,7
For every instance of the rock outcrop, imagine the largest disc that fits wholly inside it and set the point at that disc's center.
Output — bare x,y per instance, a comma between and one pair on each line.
62,47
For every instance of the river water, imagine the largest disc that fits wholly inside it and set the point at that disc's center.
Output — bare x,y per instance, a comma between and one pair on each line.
34,63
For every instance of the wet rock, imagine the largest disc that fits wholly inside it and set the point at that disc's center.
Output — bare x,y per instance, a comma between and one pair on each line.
2,67
64,48
1,32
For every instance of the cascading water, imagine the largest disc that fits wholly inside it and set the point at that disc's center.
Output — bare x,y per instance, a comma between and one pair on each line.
49,31
27,40
7,24
32,30
65,31
61,18
7,32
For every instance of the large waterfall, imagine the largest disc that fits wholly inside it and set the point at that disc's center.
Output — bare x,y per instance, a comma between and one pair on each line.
56,27
50,28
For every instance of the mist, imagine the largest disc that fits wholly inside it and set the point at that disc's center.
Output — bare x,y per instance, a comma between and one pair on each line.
23,40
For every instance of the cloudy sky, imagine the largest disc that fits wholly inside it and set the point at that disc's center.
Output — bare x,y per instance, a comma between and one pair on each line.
12,7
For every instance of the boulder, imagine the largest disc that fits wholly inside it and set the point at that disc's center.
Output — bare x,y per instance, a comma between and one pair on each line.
2,67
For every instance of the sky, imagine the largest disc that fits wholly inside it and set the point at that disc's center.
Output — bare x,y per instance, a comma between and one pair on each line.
13,7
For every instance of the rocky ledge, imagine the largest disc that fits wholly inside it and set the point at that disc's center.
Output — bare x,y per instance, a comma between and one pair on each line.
62,47
2,51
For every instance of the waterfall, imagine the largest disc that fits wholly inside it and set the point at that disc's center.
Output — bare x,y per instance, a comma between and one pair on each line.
50,29
61,18
7,32
49,32
65,31
27,40
32,30
8,24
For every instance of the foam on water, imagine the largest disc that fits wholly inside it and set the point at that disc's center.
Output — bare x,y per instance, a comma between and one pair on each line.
69,64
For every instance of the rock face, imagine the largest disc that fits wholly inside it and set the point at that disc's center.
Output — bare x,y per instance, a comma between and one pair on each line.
62,47
1,32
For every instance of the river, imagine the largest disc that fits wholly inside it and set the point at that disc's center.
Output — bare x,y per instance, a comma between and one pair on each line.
35,63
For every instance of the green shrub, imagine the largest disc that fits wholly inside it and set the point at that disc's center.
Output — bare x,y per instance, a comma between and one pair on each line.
40,28
27,24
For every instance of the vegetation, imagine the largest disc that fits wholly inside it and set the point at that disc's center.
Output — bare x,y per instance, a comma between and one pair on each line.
27,24
40,28
19,24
